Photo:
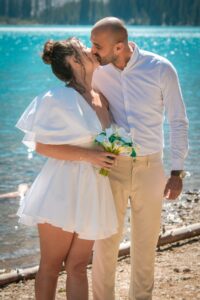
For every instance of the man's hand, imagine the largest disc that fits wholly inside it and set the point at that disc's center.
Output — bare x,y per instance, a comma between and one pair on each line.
173,187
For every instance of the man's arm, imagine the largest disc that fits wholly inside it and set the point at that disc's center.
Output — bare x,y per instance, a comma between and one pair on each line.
178,123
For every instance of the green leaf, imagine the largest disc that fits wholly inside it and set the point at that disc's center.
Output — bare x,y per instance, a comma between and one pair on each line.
133,154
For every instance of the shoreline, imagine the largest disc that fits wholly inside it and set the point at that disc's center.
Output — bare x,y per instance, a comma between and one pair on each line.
175,214
177,269
176,276
166,239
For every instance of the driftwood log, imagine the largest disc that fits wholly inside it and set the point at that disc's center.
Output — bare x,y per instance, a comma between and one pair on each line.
10,195
22,189
168,237
17,275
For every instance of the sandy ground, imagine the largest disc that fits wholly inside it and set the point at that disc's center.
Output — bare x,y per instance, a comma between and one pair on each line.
177,276
177,272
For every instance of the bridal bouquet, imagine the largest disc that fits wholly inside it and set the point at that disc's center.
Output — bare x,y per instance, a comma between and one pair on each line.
116,140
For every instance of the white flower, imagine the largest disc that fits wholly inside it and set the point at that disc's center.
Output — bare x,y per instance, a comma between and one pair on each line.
109,132
115,140
126,137
121,132
100,138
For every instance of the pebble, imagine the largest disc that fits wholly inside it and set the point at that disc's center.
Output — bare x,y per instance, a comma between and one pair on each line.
188,287
191,192
186,277
61,290
162,293
186,270
2,271
176,270
189,199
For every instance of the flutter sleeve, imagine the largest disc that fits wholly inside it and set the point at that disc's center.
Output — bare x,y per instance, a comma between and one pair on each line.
54,118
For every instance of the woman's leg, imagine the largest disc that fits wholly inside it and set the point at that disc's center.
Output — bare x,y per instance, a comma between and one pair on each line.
54,246
76,264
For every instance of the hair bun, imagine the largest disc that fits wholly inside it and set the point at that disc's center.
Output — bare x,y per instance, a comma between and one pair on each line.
48,52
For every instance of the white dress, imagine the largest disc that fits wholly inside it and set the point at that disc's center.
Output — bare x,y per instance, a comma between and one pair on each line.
71,195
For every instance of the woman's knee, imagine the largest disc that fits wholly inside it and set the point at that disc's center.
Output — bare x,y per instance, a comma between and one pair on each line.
76,268
50,268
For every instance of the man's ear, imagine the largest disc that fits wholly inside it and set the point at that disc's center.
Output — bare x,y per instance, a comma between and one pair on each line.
118,48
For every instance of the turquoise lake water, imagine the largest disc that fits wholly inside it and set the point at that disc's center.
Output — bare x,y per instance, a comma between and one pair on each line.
23,76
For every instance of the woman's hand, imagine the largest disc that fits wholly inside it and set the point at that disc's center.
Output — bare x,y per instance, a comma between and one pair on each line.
102,159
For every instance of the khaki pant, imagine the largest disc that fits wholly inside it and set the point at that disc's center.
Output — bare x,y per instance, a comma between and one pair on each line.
142,180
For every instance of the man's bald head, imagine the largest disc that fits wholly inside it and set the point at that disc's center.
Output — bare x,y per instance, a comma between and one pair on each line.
114,26
109,39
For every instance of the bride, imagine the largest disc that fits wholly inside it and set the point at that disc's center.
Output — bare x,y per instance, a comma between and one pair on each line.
69,201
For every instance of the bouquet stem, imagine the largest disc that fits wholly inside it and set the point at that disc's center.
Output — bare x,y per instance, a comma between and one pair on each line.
104,172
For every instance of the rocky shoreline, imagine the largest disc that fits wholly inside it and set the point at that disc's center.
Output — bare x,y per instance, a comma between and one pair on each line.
176,276
177,267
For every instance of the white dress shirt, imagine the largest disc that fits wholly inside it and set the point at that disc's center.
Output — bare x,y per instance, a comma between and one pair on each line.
139,95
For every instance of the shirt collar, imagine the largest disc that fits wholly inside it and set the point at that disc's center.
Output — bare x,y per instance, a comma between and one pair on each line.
134,56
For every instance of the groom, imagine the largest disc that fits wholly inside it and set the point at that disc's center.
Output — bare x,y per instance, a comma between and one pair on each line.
139,86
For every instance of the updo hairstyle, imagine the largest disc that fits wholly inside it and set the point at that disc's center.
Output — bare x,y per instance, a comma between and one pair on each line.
55,54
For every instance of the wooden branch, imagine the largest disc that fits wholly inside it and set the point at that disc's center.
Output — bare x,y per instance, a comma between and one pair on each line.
9,195
179,234
17,275
168,237
22,188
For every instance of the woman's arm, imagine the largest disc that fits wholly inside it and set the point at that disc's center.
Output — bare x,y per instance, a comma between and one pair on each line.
75,153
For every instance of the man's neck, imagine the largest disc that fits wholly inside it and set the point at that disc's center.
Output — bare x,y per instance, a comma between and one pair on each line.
125,57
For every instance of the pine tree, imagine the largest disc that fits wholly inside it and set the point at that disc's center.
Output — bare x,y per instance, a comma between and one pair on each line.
153,12
84,11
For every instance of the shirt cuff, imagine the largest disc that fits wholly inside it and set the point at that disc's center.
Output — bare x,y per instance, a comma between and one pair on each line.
177,164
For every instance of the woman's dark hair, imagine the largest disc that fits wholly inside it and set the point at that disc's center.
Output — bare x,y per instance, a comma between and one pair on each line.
55,54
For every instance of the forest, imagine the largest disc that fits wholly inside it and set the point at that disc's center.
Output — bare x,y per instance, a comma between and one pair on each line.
86,12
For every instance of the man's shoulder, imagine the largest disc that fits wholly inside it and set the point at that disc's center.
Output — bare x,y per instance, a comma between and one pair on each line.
155,58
